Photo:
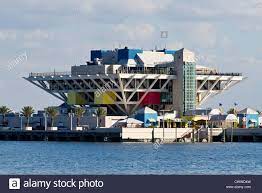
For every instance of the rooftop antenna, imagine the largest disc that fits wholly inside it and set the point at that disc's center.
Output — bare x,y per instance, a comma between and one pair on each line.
164,35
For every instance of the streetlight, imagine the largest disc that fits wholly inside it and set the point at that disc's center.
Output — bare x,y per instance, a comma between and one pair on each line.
232,126
163,126
209,130
45,119
71,120
232,131
224,131
163,114
21,121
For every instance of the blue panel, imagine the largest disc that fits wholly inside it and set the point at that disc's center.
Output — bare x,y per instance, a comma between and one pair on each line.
122,54
132,53
96,54
167,51
170,51
148,116
125,54
248,118
145,117
140,117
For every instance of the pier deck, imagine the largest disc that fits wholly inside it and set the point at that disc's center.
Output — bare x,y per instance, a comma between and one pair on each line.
105,135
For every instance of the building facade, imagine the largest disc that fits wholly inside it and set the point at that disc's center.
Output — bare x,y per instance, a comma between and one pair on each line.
124,80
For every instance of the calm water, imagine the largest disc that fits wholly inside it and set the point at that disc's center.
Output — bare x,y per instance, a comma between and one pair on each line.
129,158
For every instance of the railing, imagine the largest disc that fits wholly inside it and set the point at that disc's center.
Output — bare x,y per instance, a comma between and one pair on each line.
32,74
141,70
135,71
126,70
219,74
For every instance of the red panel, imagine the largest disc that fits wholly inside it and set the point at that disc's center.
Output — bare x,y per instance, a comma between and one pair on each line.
152,98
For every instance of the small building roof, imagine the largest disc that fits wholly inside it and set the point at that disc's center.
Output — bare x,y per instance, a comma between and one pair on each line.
197,112
227,118
248,111
131,121
215,112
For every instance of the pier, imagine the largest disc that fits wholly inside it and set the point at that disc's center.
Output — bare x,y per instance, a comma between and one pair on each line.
244,135
105,135
168,135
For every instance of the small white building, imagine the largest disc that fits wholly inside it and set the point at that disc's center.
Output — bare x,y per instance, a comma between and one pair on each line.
223,121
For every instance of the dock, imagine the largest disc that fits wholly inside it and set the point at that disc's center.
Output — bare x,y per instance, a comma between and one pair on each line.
166,135
105,135
244,135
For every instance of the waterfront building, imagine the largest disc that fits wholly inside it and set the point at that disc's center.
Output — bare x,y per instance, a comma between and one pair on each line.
223,121
248,118
124,80
201,117
148,116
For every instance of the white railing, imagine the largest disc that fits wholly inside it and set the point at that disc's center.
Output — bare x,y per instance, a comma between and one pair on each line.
32,74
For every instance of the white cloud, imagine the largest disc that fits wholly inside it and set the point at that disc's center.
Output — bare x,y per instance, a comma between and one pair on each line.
117,7
38,35
203,34
175,45
134,32
7,35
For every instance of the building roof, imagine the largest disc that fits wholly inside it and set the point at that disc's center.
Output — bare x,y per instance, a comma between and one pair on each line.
197,112
131,121
151,58
227,118
248,111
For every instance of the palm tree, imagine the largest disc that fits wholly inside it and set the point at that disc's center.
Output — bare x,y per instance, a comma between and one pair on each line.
52,113
99,113
79,112
27,112
3,111
232,111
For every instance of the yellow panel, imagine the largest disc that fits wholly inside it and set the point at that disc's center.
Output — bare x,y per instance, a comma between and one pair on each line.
105,98
74,98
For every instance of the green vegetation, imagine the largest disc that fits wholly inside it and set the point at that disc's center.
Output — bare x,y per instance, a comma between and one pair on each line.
52,113
3,111
232,111
27,112
100,112
79,112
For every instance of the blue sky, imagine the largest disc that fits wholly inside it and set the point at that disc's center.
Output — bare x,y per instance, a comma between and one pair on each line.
59,33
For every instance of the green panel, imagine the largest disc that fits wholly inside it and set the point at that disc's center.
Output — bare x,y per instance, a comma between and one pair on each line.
189,86
75,98
105,98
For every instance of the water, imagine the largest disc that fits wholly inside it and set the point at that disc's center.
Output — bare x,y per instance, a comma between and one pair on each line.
129,158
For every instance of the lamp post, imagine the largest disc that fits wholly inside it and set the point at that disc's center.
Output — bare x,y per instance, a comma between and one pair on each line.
163,114
232,132
163,126
21,121
71,120
232,125
45,119
224,131
209,130
176,131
